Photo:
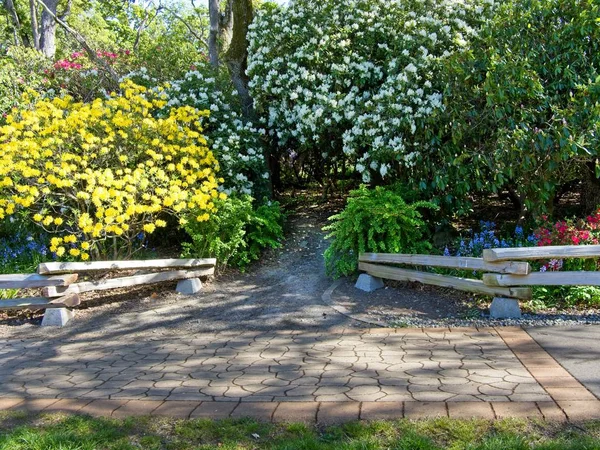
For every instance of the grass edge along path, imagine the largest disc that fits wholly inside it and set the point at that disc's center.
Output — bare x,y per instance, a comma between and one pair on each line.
60,431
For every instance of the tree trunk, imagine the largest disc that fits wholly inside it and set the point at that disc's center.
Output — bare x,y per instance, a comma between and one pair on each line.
226,26
48,28
35,30
237,54
14,18
590,195
213,34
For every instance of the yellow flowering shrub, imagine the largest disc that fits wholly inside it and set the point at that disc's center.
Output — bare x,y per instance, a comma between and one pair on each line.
97,174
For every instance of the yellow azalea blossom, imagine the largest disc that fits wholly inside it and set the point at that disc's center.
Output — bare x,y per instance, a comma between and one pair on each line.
106,168
149,228
70,239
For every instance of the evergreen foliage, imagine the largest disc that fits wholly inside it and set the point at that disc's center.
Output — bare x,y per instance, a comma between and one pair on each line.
375,220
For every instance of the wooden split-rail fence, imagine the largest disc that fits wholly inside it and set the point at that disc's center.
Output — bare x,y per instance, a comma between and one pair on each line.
60,289
507,272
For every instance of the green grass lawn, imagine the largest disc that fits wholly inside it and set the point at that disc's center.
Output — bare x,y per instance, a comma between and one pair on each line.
68,432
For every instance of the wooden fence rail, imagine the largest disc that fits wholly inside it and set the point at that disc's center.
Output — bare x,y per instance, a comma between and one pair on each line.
58,279
511,273
461,284
136,280
544,279
99,266
32,280
450,262
40,302
550,252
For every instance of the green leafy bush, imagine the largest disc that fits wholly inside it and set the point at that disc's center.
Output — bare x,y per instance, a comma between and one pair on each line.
523,106
20,69
374,220
237,234
264,229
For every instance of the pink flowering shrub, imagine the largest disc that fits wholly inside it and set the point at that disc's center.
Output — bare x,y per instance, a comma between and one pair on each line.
568,232
83,78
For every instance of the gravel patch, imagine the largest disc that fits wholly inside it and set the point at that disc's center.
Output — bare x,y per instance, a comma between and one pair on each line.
414,305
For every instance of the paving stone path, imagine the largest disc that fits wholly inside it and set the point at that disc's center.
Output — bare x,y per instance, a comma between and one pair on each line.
300,366
486,372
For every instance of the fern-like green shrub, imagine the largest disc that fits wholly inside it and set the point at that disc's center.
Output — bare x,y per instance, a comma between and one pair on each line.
237,234
374,220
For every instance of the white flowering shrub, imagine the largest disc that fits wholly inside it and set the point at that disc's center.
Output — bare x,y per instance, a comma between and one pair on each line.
357,80
237,143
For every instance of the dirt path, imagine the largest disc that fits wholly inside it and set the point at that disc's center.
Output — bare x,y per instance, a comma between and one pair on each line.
283,292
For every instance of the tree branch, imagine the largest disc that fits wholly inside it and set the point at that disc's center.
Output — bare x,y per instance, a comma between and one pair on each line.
193,32
145,23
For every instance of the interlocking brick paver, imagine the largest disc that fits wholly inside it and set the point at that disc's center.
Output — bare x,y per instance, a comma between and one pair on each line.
296,412
213,410
551,411
102,408
177,409
536,362
136,408
35,404
558,382
256,410
422,410
577,393
516,409
467,410
332,413
68,405
382,410
7,403
580,410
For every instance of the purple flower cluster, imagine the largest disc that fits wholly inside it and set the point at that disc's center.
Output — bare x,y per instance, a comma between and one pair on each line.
21,251
489,237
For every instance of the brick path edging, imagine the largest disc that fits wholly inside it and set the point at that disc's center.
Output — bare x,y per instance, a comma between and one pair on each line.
574,399
309,412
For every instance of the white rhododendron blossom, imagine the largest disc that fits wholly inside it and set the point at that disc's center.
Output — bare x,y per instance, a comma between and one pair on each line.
358,79
237,143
